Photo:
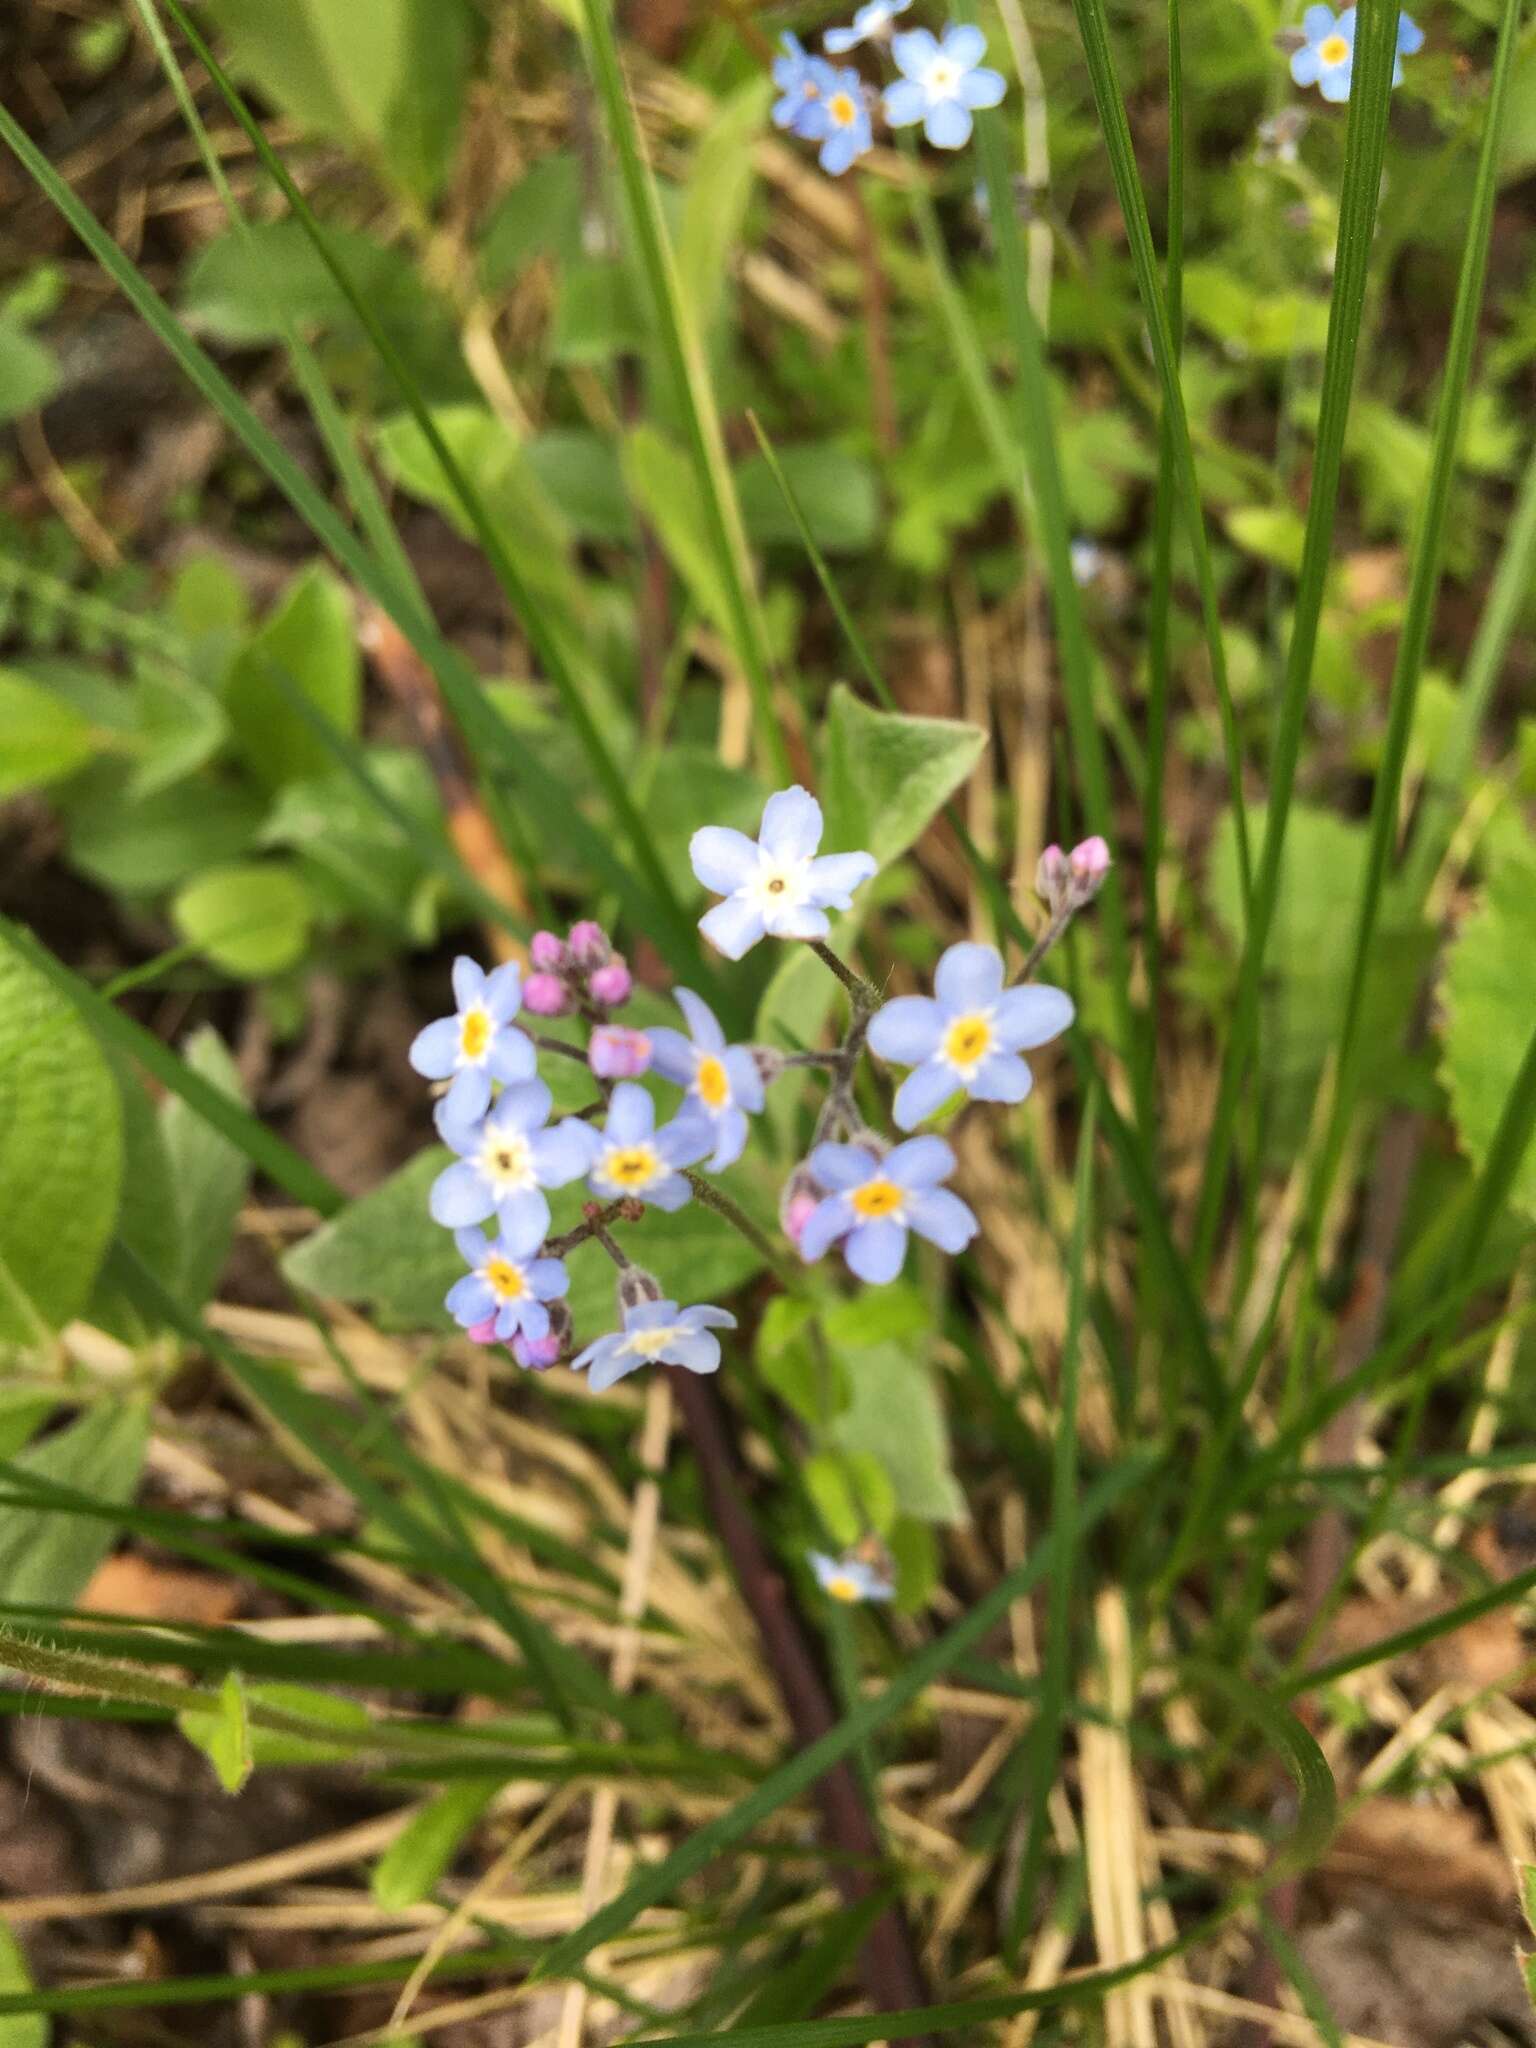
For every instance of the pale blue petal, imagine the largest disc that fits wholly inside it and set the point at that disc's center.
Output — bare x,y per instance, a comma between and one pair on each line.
875,1250
672,1056
521,1108
842,1166
547,1279
791,827
460,1195
472,1245
838,41
513,1056
470,1300
1001,1077
523,1217
925,1089
905,101
943,1219
612,1366
703,1024
1333,82
907,1030
827,1222
469,1095
948,124
913,52
504,992
982,88
722,858
919,1163
650,1315
564,1153
733,927
699,1353
1410,37
459,1134
597,1350
835,876
685,1140
731,1132
631,1115
434,1052
969,977
531,1317
707,1317
1347,26
1397,70
1306,65
808,923
838,151
468,982
671,1192
964,44
1030,1016
1318,22
746,1081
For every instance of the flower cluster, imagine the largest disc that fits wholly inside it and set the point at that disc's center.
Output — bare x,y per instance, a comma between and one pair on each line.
855,1190
1322,51
941,81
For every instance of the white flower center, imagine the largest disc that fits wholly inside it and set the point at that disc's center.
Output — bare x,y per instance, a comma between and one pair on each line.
506,1160
968,1040
652,1344
941,81
779,886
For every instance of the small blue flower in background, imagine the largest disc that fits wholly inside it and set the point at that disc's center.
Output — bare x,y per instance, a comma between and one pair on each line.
656,1333
506,1281
802,80
941,82
478,1045
873,1203
839,120
507,1158
1327,58
870,23
849,1579
633,1158
774,885
722,1080
967,1035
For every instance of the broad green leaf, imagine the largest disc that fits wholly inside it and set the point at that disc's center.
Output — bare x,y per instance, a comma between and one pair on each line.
251,920
895,1417
1249,322
210,1176
852,1492
886,775
387,78
715,200
18,2029
208,597
420,1856
384,1251
22,1415
147,1215
1525,1873
141,845
61,1154
223,1733
1490,1001
248,287
47,1556
359,849
28,372
581,475
806,1376
836,490
309,644
42,737
597,316
915,1549
540,215
1274,533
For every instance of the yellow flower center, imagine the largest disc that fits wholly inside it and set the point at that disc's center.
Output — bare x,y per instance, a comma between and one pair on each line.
1333,50
474,1034
843,1588
712,1082
843,111
505,1278
967,1040
633,1166
876,1198
650,1344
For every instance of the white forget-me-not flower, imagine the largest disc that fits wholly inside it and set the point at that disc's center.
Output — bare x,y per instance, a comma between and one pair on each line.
507,1281
940,83
873,1203
774,885
656,1333
507,1159
968,1035
479,1044
632,1157
722,1080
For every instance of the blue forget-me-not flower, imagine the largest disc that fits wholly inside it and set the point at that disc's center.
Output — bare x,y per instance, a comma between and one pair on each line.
870,23
873,1203
838,118
968,1035
506,1280
507,1159
722,1080
802,79
632,1157
1326,58
774,885
656,1333
941,82
479,1044
849,1579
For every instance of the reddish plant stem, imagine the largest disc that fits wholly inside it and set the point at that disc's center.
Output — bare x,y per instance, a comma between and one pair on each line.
889,1968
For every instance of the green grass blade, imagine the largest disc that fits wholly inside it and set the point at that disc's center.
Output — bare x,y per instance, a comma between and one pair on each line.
1094,30
1360,184
281,1164
1413,642
689,373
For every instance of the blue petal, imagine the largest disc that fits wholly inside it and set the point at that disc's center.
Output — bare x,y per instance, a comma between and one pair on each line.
468,982
631,1115
699,1353
840,40
547,1279
523,1219
1333,82
1030,1016
968,977
703,1024
746,1081
965,45
842,1166
469,1095
907,1030
470,1300
707,1317
471,1245
925,1089
943,1219
913,52
1410,37
650,1315
982,88
1306,65
512,1056
1001,1077
731,1133
612,1366
672,1056
685,1140
806,923
531,1317
1347,26
564,1153
905,101
835,876
791,827
733,927
722,858
948,124
1318,22
671,1192
504,992
919,1163
596,1352
434,1051
875,1250
521,1108
460,1195
827,1222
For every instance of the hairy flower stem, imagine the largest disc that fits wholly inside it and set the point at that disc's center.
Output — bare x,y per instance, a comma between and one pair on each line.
737,1217
594,1229
863,994
1053,931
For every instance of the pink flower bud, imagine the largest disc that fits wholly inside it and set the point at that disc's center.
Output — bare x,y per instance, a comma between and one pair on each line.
546,995
1090,861
547,952
589,944
482,1332
536,1354
797,1213
1051,875
618,1054
611,985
